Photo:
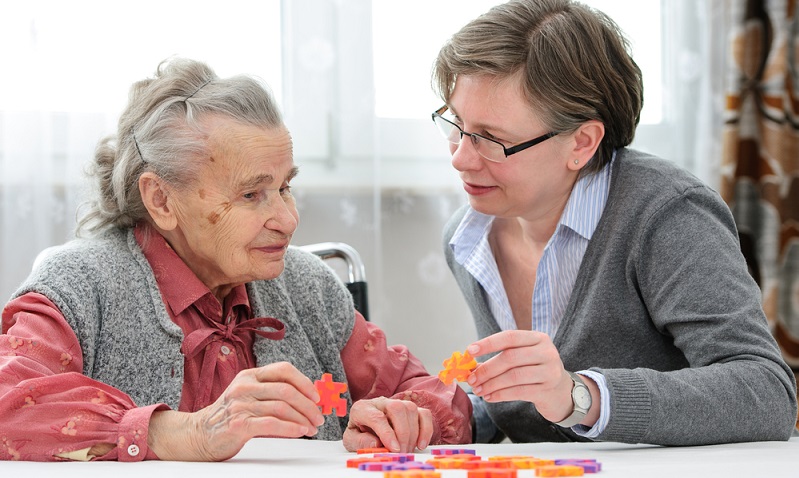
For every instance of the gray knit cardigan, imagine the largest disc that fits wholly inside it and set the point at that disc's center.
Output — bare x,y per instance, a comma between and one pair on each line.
664,307
107,291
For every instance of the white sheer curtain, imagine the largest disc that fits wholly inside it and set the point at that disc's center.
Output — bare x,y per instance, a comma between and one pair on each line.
67,67
352,77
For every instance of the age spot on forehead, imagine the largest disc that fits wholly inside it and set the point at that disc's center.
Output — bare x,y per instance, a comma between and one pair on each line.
212,159
201,193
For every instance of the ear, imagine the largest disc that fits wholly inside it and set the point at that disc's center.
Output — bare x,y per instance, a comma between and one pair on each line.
156,198
586,142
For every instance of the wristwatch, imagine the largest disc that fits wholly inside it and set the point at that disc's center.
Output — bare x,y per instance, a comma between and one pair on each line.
581,397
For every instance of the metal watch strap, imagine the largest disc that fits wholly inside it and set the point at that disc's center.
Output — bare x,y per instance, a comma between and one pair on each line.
577,413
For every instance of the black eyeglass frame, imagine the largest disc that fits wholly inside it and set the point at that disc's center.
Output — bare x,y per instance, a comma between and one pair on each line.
508,151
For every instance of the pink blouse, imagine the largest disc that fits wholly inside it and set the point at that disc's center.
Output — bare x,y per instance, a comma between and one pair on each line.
50,411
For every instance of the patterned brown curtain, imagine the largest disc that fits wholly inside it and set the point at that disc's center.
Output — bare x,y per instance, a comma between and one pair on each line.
760,165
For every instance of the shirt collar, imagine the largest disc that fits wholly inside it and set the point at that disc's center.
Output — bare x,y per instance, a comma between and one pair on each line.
473,229
179,286
587,201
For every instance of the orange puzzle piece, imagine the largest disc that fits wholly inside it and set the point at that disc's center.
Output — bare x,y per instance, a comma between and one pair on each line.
329,398
412,474
560,470
523,462
492,473
372,450
457,367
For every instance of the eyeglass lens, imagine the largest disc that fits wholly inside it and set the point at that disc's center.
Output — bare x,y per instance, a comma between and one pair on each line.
450,132
485,147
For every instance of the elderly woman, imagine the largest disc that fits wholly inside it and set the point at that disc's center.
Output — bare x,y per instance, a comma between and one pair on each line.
184,325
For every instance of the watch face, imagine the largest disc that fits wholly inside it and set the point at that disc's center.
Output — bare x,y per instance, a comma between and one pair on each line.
582,397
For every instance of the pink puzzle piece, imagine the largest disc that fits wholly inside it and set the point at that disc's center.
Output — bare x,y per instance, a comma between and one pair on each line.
492,473
356,462
329,395
452,451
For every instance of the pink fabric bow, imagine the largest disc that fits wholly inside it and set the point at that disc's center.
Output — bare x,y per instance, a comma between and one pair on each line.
212,337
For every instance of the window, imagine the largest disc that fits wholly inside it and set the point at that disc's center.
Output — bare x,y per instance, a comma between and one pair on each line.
352,76
404,66
83,55
404,98
67,67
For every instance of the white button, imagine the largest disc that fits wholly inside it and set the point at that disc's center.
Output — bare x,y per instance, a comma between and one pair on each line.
225,350
133,450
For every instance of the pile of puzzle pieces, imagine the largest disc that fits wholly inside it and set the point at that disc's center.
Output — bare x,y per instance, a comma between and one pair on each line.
406,465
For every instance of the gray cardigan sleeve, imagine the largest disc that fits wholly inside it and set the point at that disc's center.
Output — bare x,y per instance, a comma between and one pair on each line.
690,276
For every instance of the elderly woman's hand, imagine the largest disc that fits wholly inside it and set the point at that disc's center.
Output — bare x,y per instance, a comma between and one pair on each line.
399,425
275,400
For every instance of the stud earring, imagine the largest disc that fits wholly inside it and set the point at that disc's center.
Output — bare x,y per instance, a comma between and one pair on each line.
576,161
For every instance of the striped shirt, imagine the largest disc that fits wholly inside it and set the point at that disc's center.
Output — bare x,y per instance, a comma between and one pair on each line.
555,275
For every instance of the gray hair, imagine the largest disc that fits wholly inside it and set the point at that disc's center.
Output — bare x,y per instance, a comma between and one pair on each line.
160,131
574,62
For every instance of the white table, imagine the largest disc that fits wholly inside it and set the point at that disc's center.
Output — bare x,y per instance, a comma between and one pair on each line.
267,457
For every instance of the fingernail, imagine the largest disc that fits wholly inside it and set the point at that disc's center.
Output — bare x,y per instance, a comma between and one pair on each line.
394,445
477,390
472,349
422,445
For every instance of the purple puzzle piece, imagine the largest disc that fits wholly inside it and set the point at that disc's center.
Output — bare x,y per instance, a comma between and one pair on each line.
412,465
588,465
379,466
398,457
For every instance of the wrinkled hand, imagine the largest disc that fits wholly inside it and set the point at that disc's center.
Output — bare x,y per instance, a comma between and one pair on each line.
528,367
275,400
399,425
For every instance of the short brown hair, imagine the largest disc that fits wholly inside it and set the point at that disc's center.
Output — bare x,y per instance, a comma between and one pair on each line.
574,62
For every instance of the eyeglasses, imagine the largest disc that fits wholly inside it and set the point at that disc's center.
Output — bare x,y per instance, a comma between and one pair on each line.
488,148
